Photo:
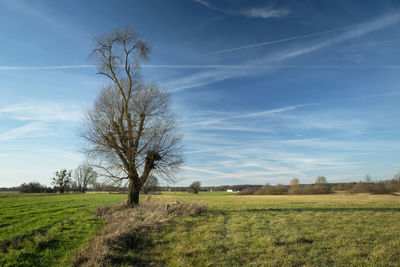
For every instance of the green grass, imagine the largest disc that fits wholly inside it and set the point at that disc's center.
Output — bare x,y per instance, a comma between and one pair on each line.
355,230
318,230
47,229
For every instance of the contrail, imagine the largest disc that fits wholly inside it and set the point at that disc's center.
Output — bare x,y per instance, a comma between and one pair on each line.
62,67
298,37
203,67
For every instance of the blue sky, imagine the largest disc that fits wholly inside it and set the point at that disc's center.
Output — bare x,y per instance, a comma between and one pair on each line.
264,90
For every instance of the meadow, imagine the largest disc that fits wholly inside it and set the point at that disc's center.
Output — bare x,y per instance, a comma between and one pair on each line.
47,229
318,230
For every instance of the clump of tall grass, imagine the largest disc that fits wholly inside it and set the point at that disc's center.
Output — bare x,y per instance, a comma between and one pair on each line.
124,225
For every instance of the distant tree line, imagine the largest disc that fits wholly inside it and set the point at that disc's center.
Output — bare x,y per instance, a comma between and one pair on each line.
9,189
321,186
79,180
208,188
82,179
85,179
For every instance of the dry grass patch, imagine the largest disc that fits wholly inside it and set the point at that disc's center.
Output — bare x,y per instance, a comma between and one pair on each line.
126,229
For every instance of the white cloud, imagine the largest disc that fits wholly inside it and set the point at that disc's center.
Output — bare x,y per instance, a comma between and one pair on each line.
252,12
261,66
34,68
22,131
298,37
46,15
241,116
42,112
201,79
274,161
354,31
269,112
265,12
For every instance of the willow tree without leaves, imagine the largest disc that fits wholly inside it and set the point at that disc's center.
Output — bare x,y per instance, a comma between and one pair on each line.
130,130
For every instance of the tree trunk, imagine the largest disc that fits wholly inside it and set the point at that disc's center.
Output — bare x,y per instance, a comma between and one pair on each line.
133,193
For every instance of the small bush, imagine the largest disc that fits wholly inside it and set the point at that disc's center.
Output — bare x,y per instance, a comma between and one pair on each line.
272,190
194,188
372,188
339,187
247,191
322,189
310,189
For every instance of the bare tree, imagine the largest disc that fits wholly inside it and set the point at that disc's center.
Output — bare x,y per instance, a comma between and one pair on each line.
61,180
368,178
84,176
150,185
397,176
321,180
130,131
294,183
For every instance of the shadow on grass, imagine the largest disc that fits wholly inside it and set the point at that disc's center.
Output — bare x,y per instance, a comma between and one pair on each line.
133,250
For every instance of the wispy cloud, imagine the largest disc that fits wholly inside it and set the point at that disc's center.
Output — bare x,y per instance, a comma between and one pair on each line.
353,33
22,131
44,112
59,67
203,78
201,67
246,115
278,160
28,8
253,12
294,38
271,111
260,66
355,30
265,12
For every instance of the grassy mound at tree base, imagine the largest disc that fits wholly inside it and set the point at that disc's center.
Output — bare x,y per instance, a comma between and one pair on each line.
126,230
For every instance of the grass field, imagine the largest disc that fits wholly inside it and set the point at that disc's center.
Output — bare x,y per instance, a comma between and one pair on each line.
47,229
343,230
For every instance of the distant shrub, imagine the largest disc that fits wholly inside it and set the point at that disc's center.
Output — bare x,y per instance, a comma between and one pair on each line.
247,191
301,190
294,189
310,189
373,188
349,186
272,190
395,185
322,189
194,188
35,187
379,188
339,187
